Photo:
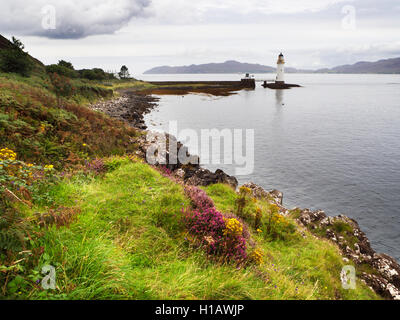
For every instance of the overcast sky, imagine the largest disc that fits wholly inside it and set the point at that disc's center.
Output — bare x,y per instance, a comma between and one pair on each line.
146,33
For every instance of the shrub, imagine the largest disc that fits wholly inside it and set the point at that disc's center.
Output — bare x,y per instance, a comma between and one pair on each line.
199,198
59,217
15,59
233,228
97,166
258,220
95,74
208,223
16,177
245,228
256,257
66,64
61,70
277,226
13,231
218,238
24,182
242,201
62,87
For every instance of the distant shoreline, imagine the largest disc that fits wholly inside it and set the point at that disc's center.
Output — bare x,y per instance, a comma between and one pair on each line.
300,72
387,66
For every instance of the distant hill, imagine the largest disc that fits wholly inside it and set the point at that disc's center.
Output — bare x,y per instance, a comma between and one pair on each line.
231,66
381,66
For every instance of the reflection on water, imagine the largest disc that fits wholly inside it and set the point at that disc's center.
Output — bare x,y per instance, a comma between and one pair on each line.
279,97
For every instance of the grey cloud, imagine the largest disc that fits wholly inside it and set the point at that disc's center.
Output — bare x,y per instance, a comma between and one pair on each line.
74,18
271,11
186,31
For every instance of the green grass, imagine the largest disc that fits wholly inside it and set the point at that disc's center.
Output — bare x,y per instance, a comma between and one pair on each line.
128,243
304,262
127,84
123,248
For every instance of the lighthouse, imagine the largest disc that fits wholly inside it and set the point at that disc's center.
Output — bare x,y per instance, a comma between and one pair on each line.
280,70
280,77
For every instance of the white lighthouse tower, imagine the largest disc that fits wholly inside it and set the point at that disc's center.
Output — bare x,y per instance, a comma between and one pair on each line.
280,70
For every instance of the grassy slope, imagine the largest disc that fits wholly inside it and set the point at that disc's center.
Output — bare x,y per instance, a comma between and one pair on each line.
128,243
310,265
32,125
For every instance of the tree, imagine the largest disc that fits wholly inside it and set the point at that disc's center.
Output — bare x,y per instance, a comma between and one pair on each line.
95,74
17,43
87,74
62,87
66,64
61,70
14,59
124,73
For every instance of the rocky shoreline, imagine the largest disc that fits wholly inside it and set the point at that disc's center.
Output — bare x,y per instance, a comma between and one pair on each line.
129,107
379,271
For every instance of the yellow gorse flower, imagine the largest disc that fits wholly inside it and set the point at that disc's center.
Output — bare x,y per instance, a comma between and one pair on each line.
277,218
233,227
245,190
7,154
257,256
275,207
48,167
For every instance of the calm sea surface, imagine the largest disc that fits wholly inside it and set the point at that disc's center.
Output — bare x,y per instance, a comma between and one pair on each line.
333,144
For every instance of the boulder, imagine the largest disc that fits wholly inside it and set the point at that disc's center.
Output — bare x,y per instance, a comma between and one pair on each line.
179,173
259,193
204,177
277,195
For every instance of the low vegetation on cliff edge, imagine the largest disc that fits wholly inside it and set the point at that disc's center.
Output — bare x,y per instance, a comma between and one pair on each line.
119,233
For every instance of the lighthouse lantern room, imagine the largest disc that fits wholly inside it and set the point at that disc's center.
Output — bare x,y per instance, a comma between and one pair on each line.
280,70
